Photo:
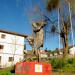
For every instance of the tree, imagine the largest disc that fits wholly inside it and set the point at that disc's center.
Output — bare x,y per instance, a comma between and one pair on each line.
72,2
64,27
52,4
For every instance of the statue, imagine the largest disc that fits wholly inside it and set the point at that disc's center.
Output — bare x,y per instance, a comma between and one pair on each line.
38,35
31,42
37,40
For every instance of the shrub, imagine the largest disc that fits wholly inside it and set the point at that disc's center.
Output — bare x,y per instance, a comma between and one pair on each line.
65,65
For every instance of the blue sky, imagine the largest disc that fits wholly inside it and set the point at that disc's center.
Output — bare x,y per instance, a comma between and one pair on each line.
17,15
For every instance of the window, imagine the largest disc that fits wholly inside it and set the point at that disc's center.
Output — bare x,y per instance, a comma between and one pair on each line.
0,59
1,46
24,46
3,36
11,59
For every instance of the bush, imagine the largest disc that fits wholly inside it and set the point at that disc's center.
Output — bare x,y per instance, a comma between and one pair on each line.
57,63
65,65
68,68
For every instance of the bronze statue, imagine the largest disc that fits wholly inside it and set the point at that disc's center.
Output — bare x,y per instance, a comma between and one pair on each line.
37,40
38,35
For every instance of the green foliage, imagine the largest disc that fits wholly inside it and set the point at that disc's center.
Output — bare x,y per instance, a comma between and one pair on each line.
6,71
65,65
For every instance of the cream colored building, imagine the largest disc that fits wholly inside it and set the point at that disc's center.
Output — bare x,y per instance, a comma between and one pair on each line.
11,48
72,51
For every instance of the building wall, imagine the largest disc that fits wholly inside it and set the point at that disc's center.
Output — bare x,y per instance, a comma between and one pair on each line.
72,51
13,47
43,55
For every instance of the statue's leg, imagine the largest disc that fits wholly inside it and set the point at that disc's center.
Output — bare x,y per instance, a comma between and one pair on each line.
39,58
33,50
36,51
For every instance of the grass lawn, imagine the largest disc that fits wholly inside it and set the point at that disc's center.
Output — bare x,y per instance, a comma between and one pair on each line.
7,72
57,73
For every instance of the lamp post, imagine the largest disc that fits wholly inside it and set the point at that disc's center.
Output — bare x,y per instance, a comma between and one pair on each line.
59,25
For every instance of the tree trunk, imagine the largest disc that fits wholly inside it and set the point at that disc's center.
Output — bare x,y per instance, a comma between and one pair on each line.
66,46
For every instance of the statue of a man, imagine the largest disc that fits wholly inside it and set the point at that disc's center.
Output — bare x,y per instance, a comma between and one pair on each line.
38,34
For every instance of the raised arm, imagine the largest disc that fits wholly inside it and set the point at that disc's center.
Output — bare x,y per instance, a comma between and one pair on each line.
38,25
